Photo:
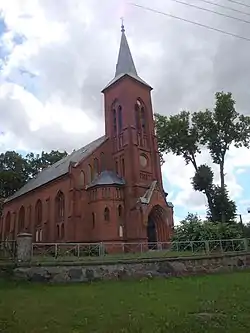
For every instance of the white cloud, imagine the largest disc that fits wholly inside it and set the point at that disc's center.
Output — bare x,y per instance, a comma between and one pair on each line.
71,48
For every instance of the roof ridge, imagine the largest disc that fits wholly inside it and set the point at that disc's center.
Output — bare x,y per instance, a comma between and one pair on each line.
58,169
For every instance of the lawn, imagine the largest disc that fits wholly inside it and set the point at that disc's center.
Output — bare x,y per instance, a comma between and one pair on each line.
196,304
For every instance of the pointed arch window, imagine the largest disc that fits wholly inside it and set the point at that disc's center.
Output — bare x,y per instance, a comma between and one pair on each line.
117,120
82,179
38,213
93,220
114,122
62,231
38,221
140,115
21,219
106,214
60,207
120,211
90,173
60,215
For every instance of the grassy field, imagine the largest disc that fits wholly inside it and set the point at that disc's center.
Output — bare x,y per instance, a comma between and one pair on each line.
198,304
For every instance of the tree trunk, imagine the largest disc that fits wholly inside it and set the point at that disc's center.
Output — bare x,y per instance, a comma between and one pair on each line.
210,204
207,193
222,185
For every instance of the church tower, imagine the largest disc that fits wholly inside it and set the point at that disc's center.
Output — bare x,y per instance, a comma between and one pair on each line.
129,125
129,121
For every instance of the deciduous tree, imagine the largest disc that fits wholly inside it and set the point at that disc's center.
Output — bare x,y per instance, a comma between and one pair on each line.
178,135
16,170
219,129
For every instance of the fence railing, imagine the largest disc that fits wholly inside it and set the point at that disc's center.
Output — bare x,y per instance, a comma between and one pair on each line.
7,250
109,251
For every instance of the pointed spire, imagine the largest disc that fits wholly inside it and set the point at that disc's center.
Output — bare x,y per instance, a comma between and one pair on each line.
125,63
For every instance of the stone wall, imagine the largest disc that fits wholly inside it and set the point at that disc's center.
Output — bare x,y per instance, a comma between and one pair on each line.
82,272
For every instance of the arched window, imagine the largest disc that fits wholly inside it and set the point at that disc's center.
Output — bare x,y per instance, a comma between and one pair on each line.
96,167
106,214
7,225
38,221
140,116
58,232
38,213
90,173
82,179
60,207
119,119
21,219
143,121
102,162
93,220
120,210
114,121
62,231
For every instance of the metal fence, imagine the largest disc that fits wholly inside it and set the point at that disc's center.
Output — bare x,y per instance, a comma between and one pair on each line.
116,251
7,250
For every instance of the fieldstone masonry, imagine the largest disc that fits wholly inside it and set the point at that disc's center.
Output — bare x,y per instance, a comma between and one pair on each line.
150,268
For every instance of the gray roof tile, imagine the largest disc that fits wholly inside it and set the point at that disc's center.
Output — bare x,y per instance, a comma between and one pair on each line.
125,64
107,178
58,169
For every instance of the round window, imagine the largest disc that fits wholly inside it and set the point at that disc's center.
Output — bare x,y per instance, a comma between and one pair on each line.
143,161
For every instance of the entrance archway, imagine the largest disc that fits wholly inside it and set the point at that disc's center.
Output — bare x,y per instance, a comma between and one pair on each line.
156,227
151,232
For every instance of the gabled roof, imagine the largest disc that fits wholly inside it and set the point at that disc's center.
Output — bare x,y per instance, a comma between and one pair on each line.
125,64
135,77
107,178
145,199
58,169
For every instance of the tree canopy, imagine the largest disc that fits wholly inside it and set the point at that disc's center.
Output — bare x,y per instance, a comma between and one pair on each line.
16,170
192,228
187,134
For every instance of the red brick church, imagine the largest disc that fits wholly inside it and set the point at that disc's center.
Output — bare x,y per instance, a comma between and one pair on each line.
110,190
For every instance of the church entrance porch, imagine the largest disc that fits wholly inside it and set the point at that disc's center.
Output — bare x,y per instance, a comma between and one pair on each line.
157,230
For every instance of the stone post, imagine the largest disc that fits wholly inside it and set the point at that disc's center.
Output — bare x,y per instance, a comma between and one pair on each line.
24,247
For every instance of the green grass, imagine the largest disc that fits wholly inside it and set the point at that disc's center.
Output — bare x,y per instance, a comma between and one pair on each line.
211,304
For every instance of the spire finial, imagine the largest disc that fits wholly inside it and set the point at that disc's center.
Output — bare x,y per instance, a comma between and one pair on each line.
122,26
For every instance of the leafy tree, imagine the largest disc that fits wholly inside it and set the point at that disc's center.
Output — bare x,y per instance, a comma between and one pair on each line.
192,228
37,162
13,173
178,135
246,230
219,199
1,207
16,170
222,204
220,129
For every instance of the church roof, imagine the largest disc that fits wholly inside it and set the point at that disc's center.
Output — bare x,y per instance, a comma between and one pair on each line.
107,178
58,169
125,64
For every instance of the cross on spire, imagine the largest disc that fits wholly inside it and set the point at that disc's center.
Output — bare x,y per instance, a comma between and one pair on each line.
125,63
122,26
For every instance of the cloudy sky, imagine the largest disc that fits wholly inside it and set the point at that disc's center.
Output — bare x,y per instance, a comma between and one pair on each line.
56,56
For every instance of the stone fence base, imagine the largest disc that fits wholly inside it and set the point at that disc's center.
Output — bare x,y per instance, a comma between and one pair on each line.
150,268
